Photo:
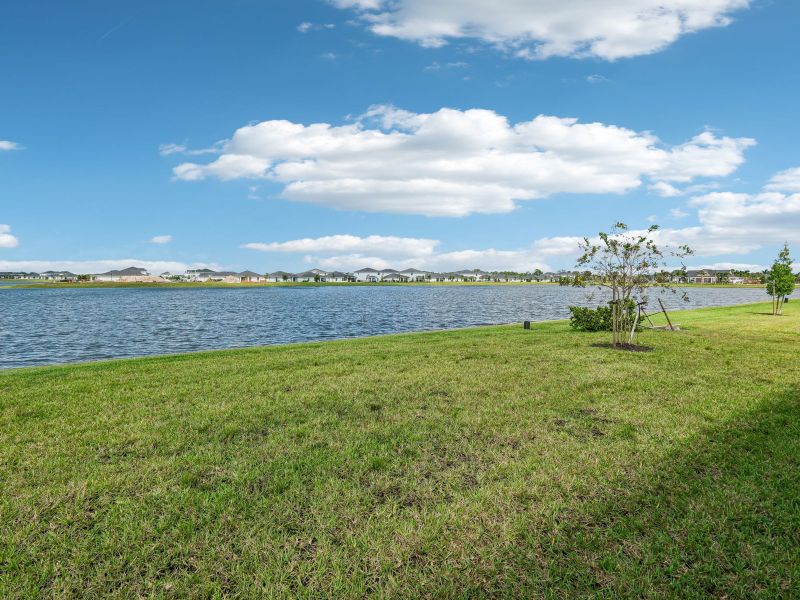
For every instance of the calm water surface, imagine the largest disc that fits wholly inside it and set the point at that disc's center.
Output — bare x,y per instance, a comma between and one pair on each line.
45,326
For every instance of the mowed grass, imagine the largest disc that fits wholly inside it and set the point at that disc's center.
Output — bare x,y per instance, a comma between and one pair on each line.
490,462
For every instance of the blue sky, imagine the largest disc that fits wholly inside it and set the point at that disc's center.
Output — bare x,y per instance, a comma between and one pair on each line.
438,148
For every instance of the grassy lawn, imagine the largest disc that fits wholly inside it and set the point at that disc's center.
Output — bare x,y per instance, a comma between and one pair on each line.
489,462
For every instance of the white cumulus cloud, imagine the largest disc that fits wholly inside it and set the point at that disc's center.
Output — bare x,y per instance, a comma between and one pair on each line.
6,239
307,26
785,181
664,189
388,245
6,146
349,252
161,239
458,162
538,29
739,223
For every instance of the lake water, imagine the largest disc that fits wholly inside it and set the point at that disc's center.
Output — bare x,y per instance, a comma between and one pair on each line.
46,326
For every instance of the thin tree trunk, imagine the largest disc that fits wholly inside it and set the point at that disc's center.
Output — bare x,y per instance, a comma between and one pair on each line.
614,324
635,323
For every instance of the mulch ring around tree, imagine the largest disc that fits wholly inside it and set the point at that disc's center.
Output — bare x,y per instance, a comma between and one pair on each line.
624,347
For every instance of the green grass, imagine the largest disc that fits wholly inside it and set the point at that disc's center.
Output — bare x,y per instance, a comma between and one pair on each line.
489,462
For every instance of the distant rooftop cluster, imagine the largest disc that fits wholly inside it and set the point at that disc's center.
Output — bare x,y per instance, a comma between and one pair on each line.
365,275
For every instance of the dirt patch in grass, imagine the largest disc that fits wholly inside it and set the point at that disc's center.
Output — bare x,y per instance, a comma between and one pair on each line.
624,347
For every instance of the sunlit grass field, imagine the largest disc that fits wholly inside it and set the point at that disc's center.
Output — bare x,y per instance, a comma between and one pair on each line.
488,462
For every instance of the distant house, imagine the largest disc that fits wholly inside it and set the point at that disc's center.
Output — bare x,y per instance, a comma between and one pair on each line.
384,273
367,275
701,276
338,277
125,275
199,274
395,278
437,277
308,276
18,275
251,277
206,275
736,279
416,274
279,276
58,276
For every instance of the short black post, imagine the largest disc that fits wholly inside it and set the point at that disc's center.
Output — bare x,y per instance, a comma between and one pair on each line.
526,324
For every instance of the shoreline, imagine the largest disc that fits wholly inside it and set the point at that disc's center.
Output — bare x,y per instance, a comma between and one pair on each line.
189,284
657,317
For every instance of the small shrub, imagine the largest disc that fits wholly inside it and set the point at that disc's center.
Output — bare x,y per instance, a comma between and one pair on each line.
597,319
590,319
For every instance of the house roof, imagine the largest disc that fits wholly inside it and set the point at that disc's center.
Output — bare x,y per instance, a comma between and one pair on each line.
367,271
388,271
701,272
249,274
279,274
307,274
415,271
129,272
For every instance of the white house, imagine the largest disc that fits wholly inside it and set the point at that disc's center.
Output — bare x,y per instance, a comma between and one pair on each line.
199,274
473,275
251,277
395,277
368,275
701,276
308,276
416,274
57,276
338,277
279,276
129,274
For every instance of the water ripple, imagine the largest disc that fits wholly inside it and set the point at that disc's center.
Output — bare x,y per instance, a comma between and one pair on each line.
45,326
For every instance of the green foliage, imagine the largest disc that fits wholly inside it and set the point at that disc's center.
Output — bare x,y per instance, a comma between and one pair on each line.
590,319
780,280
598,319
623,261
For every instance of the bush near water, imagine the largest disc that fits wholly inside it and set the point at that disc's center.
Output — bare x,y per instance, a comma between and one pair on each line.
597,319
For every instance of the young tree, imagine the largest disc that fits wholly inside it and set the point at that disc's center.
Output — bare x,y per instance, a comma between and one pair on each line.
780,280
625,262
